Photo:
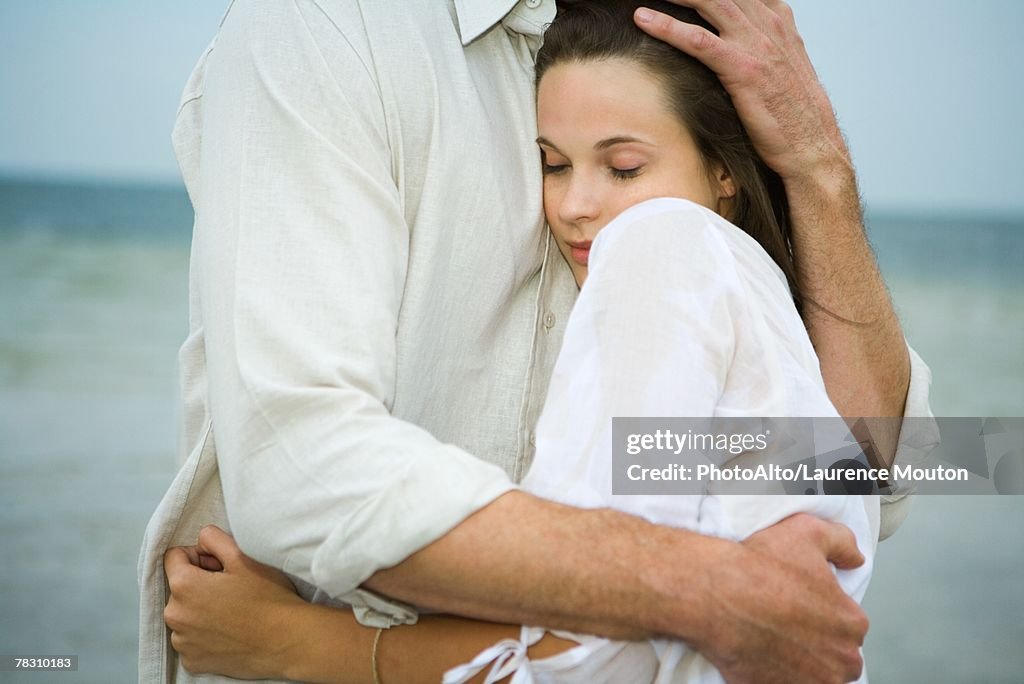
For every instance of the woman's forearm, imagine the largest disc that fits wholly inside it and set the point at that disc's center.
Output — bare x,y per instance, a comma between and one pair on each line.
324,645
328,646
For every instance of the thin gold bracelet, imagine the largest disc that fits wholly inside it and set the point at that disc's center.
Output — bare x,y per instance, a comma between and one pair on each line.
373,655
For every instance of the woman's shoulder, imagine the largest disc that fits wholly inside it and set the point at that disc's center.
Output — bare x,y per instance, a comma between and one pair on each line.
684,238
661,219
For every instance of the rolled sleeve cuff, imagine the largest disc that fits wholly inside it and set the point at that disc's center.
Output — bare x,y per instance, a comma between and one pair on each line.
919,435
428,499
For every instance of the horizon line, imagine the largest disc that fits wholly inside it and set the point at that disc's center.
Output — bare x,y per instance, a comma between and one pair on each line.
164,182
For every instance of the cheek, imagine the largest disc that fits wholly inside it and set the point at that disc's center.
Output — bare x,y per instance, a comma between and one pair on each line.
552,199
684,183
645,187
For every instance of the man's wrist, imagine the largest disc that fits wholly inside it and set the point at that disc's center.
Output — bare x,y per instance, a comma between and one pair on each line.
687,605
826,189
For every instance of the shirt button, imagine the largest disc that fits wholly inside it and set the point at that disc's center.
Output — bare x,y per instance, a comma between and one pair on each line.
549,320
533,439
533,4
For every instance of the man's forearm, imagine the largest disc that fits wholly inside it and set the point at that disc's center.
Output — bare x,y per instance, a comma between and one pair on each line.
850,316
768,607
526,560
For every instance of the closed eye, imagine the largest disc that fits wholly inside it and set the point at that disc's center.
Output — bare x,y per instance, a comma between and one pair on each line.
548,168
626,174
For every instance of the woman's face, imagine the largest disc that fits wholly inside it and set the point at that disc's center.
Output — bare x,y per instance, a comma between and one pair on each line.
609,140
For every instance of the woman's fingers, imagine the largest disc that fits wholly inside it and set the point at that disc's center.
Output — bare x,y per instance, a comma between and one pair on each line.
178,566
210,563
218,551
225,621
218,545
200,559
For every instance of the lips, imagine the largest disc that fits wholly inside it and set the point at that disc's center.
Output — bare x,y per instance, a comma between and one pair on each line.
580,252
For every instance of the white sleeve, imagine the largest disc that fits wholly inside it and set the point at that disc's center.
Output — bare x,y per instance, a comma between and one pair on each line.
918,437
661,302
300,258
653,333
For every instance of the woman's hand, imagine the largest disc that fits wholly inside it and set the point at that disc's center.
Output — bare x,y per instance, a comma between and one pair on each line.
229,614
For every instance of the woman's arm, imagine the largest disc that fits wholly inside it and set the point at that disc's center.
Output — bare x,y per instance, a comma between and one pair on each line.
338,650
246,621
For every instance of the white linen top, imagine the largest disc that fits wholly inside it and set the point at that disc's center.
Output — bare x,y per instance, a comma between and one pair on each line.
375,306
682,314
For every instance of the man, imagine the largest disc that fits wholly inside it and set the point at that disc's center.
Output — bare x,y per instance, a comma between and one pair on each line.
375,309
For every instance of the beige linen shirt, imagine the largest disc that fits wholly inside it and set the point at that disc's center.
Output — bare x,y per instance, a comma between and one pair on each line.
375,306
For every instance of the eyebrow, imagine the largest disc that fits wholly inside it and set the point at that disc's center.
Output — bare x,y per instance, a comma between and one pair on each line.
618,140
601,145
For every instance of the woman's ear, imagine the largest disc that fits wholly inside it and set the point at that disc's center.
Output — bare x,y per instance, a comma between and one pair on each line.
726,185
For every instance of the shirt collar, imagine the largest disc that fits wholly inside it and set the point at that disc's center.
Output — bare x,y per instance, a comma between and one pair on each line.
477,16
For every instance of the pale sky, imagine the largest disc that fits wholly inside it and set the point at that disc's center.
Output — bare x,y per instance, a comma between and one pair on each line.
928,91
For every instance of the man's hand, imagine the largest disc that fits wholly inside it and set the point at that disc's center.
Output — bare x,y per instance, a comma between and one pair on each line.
778,615
766,610
760,59
227,612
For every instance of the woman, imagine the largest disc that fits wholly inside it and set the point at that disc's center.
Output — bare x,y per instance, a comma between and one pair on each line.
680,313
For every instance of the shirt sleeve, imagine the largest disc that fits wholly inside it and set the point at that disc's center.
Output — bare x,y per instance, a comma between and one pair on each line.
662,297
299,257
652,334
919,435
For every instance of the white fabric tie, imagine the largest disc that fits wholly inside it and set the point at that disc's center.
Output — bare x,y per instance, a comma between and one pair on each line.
509,657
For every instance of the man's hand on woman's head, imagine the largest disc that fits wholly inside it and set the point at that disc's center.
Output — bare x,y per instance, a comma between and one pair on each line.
760,59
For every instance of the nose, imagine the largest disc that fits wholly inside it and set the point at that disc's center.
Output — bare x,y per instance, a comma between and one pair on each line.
579,205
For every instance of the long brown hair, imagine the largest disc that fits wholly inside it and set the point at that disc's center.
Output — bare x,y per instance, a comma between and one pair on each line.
592,30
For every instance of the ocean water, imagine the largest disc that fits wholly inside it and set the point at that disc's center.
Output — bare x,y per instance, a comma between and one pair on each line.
93,287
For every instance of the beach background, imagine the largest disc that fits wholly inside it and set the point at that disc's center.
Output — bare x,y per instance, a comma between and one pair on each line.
93,306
